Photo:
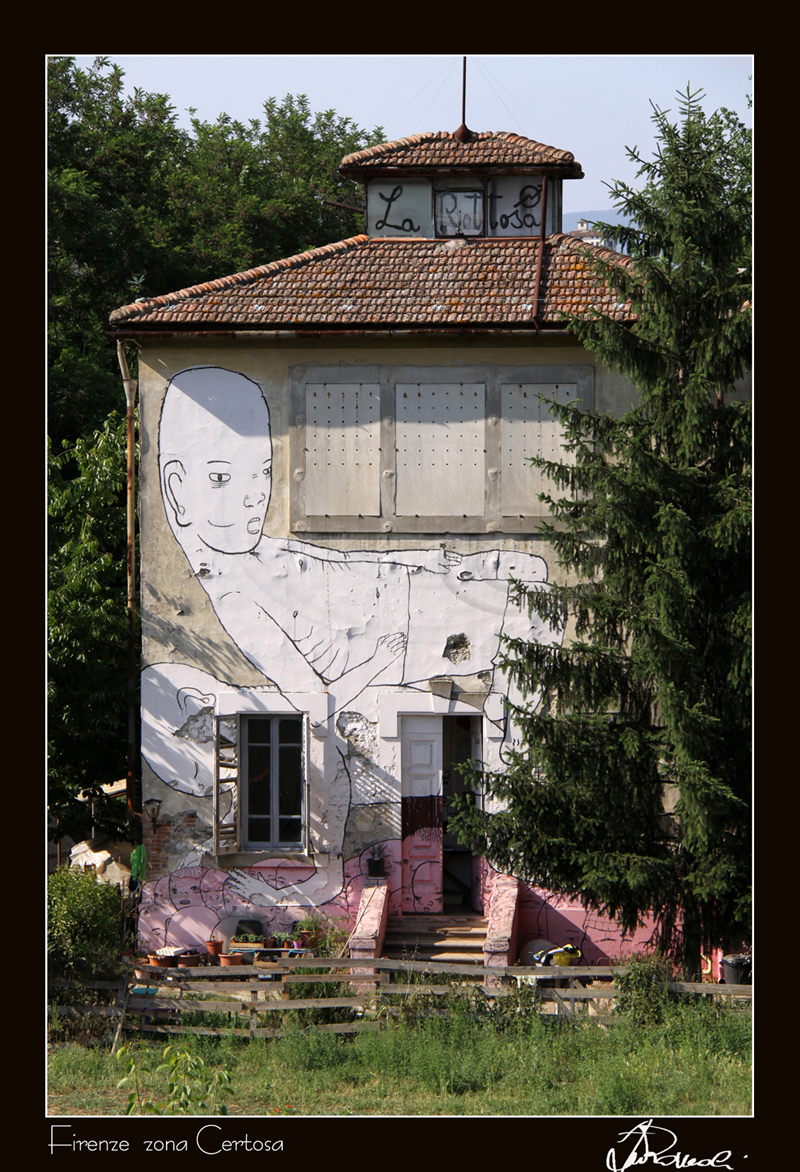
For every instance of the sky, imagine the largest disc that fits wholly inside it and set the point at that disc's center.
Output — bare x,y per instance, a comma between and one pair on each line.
593,106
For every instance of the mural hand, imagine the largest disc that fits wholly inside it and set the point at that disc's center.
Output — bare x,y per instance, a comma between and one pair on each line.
448,560
390,647
244,885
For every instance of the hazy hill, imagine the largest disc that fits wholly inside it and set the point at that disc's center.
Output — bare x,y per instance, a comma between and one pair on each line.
609,216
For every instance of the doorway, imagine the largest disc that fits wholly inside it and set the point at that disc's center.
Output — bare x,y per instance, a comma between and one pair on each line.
461,742
436,870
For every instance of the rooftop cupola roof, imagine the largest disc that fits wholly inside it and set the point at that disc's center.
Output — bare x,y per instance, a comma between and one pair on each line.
466,184
463,150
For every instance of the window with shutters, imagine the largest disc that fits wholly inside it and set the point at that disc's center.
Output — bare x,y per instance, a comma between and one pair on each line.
433,449
260,789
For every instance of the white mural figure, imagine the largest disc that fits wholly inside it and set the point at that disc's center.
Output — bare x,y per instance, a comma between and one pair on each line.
178,704
178,707
311,618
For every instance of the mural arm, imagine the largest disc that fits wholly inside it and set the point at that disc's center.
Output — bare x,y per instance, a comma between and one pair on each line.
437,561
273,652
352,683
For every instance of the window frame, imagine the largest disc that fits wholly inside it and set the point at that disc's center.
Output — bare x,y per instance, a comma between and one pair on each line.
275,843
229,822
387,378
425,204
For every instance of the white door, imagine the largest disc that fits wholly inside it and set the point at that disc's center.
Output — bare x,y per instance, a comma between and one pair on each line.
421,748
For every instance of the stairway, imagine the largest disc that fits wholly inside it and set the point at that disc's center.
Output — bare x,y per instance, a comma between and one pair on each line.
449,939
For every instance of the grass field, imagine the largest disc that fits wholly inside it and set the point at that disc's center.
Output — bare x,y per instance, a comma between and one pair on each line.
696,1060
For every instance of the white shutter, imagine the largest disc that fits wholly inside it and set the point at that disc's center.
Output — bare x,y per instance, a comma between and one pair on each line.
529,429
343,449
440,449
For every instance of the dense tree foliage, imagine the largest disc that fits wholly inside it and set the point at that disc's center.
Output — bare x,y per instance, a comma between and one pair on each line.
139,207
88,670
112,229
649,698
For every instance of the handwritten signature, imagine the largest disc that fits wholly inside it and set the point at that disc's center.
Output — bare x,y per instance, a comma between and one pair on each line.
649,1148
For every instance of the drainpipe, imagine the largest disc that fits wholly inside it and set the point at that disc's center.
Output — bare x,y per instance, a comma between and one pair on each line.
130,385
540,254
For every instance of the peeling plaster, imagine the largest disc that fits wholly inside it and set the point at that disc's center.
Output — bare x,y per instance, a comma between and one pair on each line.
458,648
369,824
361,734
199,727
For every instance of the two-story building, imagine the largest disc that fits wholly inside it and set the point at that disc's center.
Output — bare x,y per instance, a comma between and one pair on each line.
334,493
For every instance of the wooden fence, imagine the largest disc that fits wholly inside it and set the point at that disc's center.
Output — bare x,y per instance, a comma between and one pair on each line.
253,995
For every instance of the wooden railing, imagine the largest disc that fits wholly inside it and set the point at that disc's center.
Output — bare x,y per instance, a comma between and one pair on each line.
256,994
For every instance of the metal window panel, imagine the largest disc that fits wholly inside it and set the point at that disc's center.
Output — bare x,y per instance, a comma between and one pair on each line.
440,448
514,206
529,429
342,465
400,207
459,213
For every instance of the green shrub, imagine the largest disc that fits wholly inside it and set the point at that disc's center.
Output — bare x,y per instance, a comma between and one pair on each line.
644,990
83,926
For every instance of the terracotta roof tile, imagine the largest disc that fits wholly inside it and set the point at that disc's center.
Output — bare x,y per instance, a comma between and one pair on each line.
367,283
440,149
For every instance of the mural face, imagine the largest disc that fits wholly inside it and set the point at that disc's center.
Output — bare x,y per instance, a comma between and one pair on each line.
218,493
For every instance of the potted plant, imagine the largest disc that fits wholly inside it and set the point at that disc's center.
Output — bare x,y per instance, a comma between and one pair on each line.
376,863
189,959
213,945
140,963
284,939
249,941
230,958
309,931
165,957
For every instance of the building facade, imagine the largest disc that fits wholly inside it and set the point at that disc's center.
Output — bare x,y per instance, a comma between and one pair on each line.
334,493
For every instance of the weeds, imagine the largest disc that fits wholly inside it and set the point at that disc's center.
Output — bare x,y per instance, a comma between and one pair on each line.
193,1088
469,1054
645,995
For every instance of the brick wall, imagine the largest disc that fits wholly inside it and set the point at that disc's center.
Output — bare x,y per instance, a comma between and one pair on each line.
173,836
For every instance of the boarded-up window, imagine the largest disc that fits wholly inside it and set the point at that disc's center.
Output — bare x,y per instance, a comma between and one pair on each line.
342,449
529,429
425,448
440,449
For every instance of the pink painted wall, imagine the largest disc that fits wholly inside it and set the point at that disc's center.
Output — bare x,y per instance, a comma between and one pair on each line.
543,916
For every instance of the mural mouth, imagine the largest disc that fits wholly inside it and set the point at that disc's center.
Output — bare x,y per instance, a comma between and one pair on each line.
254,525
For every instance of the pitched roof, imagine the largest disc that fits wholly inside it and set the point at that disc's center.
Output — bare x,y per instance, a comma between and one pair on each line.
401,283
440,149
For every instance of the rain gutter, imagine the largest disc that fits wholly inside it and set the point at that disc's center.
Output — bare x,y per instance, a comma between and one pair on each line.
412,331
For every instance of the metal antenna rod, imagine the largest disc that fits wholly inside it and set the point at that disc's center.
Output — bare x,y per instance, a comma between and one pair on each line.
464,96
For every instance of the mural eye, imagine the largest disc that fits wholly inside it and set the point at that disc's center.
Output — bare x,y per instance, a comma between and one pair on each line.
268,471
219,478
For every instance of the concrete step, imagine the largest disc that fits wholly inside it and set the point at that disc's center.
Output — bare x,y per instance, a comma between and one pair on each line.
448,939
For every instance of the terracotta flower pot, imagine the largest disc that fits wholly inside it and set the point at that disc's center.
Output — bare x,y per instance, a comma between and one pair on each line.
230,958
308,939
163,962
214,947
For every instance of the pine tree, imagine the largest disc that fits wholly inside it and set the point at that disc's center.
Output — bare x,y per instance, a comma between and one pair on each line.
648,699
